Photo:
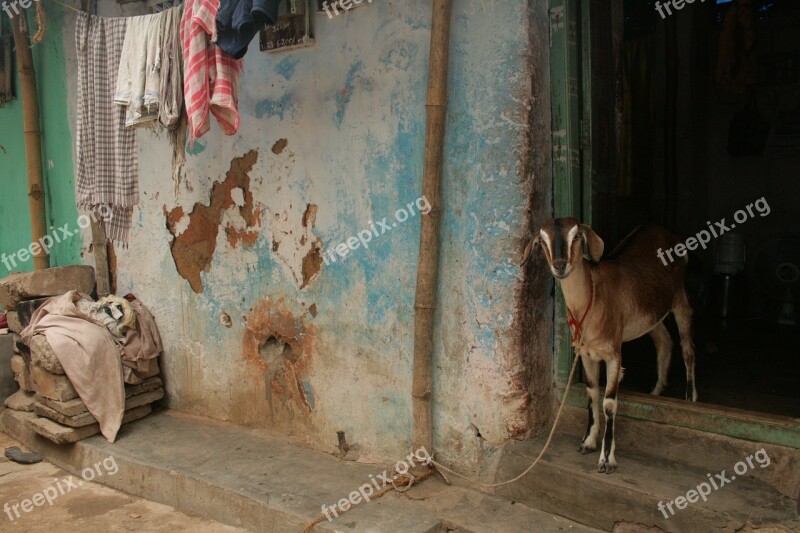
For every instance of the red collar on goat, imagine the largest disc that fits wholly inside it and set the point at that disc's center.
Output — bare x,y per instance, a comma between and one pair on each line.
576,325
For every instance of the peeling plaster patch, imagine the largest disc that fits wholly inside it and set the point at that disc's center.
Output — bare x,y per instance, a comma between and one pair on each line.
303,250
176,219
279,146
225,319
313,310
343,97
281,345
312,262
275,108
286,67
193,248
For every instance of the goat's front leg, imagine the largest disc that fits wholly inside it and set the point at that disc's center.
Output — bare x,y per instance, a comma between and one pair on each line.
607,462
592,372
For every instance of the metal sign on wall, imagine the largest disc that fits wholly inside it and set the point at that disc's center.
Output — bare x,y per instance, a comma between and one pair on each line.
292,30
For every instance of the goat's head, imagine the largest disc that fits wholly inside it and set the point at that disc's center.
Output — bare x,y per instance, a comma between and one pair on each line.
565,242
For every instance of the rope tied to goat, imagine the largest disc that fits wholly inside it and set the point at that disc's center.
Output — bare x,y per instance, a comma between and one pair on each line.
400,483
409,480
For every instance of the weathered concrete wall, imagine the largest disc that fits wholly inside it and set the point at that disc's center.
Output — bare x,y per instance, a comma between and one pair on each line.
261,330
15,229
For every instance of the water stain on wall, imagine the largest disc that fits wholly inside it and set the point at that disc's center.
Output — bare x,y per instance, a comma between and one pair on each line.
280,344
193,248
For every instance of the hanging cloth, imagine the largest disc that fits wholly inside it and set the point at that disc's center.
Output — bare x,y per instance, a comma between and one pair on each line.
238,21
107,162
211,76
138,86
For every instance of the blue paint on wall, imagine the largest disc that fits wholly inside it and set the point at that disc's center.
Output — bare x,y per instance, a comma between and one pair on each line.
275,107
343,97
287,67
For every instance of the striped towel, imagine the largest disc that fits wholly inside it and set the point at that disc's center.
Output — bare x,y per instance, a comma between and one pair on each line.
211,77
107,162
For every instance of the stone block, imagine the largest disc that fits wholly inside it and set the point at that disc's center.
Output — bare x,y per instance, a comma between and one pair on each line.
22,373
52,386
61,434
77,407
13,321
48,282
146,386
42,355
21,401
86,419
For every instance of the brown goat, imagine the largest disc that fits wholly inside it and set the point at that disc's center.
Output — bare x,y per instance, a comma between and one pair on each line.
626,295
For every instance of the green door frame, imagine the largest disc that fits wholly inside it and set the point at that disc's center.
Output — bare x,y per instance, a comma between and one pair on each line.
566,137
574,176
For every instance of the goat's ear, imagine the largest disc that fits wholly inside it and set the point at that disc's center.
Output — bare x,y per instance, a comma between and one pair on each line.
593,244
533,243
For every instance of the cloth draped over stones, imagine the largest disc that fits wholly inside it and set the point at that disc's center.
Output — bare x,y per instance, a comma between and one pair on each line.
96,364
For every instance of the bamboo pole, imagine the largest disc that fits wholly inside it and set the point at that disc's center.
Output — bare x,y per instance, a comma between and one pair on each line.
33,139
428,269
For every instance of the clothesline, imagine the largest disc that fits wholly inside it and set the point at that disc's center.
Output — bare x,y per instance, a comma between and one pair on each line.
78,10
73,8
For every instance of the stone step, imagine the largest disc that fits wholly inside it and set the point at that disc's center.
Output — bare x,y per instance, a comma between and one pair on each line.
700,449
567,481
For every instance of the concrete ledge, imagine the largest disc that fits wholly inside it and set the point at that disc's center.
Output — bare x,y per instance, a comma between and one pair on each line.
244,478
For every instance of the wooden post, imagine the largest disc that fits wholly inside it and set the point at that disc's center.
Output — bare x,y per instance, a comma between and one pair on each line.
427,273
99,246
33,138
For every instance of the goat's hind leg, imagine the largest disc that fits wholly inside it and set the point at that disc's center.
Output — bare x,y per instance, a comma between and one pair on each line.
683,317
592,372
663,342
608,462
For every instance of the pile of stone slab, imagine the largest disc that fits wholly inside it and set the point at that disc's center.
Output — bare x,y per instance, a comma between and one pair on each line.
44,387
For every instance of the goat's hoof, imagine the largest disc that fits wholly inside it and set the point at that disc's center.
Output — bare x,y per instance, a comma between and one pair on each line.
585,449
606,467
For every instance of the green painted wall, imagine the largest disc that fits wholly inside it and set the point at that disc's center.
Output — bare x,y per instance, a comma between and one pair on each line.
57,156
